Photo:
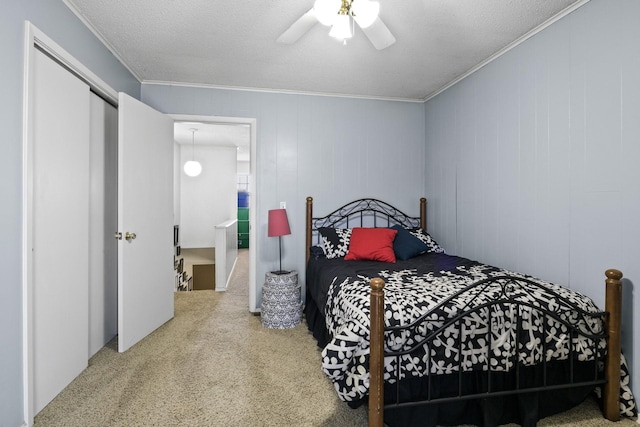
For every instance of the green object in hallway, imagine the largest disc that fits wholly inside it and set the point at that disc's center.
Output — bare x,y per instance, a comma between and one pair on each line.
243,240
243,214
243,226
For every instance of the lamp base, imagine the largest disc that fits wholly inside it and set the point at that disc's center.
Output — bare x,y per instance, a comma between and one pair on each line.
280,272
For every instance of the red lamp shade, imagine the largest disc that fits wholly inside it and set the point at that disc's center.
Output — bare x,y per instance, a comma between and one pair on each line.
278,223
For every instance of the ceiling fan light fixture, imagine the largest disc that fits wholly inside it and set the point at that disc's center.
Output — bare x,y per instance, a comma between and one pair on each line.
341,16
341,29
365,12
326,11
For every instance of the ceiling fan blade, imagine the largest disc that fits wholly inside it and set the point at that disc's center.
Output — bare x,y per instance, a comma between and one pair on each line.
378,34
298,28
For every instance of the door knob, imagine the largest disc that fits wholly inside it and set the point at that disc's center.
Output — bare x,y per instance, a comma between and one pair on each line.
129,236
118,235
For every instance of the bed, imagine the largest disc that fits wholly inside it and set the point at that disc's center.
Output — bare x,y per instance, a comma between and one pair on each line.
427,338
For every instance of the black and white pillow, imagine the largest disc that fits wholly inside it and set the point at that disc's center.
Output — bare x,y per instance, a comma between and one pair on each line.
335,241
427,240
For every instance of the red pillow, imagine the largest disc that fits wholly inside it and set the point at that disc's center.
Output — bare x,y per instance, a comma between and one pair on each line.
375,244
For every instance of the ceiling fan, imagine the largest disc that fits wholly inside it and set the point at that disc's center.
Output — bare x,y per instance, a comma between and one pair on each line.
340,15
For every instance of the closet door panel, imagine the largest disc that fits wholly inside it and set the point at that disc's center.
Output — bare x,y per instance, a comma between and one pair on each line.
60,206
103,256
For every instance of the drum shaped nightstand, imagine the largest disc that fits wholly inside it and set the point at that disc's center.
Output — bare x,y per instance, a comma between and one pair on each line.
281,304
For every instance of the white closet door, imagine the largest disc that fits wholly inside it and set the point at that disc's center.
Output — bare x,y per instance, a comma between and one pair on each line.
103,222
145,208
60,205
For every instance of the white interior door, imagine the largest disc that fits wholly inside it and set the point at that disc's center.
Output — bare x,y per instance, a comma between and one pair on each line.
145,213
58,245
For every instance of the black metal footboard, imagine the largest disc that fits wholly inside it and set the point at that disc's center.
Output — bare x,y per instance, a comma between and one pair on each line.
501,336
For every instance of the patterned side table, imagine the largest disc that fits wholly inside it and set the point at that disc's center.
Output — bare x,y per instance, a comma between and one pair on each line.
281,306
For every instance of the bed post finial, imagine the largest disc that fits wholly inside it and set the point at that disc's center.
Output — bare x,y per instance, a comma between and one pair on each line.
613,306
376,354
423,213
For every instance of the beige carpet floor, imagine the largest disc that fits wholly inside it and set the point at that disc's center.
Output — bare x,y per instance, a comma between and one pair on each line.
215,365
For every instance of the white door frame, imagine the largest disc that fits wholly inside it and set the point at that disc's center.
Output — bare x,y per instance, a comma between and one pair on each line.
36,39
252,122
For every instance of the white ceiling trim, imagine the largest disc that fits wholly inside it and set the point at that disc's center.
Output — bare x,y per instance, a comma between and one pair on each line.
496,55
283,91
510,46
100,37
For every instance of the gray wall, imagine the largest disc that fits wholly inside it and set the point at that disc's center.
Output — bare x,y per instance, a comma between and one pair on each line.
532,162
55,20
333,149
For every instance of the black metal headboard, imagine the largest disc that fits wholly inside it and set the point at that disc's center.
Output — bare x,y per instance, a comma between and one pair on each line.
363,213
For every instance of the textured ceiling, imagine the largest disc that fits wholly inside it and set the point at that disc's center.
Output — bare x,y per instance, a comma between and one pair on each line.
230,43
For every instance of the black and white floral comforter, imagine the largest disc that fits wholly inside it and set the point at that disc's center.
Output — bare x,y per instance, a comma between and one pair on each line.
418,288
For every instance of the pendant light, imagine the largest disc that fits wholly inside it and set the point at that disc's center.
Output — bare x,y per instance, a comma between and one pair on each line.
193,168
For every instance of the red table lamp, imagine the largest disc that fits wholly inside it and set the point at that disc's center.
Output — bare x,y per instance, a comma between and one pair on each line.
279,226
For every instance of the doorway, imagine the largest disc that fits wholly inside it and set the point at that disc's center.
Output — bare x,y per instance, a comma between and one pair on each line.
250,156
